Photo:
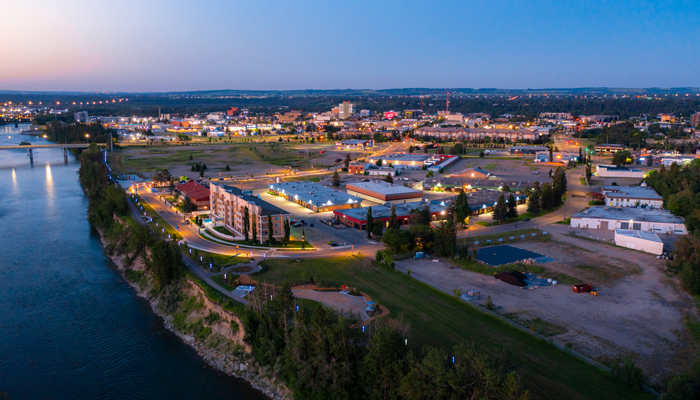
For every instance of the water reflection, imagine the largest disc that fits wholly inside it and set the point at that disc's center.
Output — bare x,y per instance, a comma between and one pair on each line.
49,186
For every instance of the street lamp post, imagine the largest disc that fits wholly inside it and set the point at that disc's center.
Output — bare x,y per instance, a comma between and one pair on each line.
87,136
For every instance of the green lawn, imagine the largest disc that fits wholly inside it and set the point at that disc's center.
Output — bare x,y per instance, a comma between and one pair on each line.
162,223
494,236
442,320
219,261
220,281
293,244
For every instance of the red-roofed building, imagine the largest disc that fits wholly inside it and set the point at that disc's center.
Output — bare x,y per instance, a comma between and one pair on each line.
198,194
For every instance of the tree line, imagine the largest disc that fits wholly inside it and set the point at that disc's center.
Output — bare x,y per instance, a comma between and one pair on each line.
76,133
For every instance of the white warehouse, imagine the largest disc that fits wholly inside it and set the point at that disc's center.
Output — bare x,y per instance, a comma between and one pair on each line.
648,242
637,219
632,196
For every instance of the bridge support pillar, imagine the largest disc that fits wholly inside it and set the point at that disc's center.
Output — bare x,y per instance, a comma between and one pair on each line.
65,155
31,157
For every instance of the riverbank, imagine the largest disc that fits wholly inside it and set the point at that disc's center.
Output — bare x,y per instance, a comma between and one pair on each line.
223,348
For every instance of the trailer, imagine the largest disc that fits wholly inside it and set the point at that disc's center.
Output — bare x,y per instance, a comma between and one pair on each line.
584,288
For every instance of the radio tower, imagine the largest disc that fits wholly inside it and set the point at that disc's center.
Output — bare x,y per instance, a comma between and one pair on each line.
421,101
447,110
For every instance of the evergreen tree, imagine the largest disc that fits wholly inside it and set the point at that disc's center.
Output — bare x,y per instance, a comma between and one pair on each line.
500,210
425,215
393,220
534,200
270,231
444,242
246,222
336,179
462,209
547,197
389,178
347,161
512,207
287,230
370,223
254,228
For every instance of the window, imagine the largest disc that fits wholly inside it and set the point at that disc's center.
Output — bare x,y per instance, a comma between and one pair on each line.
637,226
277,225
624,225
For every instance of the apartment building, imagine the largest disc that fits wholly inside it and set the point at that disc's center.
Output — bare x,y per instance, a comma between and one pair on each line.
230,202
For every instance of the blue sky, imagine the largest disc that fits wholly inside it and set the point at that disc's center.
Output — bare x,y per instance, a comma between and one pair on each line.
144,45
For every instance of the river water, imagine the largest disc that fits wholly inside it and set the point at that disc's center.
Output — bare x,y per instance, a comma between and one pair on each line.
70,326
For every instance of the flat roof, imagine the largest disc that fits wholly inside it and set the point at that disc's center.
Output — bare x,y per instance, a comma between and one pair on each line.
314,194
636,192
630,214
384,188
480,199
645,235
616,168
404,157
381,212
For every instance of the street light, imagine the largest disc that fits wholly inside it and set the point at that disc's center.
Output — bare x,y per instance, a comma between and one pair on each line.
87,135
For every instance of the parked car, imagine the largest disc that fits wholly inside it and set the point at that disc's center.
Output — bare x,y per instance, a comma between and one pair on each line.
332,243
526,219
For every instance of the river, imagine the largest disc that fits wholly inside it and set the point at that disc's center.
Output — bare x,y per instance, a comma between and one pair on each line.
70,326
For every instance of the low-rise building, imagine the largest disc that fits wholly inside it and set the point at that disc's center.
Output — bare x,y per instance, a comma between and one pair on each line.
482,201
527,149
613,171
632,196
198,194
638,219
609,148
680,160
384,192
357,217
229,202
382,171
648,242
358,168
474,173
560,157
313,196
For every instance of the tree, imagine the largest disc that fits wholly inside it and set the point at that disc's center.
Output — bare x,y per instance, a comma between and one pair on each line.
227,168
512,207
335,180
500,210
650,160
393,220
622,157
444,241
270,231
397,239
547,197
462,207
687,262
347,161
246,222
481,154
423,235
163,177
369,223
379,163
254,228
550,158
287,230
534,199
388,178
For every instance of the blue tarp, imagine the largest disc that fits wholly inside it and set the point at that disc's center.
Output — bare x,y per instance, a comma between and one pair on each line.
505,254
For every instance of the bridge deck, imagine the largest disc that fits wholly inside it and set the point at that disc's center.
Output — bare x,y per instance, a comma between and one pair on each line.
50,146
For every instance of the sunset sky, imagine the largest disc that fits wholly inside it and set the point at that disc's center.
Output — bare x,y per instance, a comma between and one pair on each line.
138,46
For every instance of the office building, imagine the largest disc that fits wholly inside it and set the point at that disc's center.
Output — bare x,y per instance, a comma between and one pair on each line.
81,116
384,192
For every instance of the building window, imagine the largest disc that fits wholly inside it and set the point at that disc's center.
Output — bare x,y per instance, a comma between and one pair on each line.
637,226
624,225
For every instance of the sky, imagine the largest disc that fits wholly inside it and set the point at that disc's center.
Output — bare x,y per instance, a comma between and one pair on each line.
177,45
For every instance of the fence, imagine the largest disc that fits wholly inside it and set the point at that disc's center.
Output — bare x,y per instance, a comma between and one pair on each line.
500,240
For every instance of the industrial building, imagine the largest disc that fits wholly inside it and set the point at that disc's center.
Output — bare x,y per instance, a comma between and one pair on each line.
482,201
384,192
474,173
403,160
637,219
515,150
314,196
357,217
632,196
230,203
609,148
560,157
351,144
612,171
648,242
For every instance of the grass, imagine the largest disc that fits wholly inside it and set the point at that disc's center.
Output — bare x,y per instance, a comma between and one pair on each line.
219,261
220,281
483,238
517,219
583,181
162,223
223,230
596,203
302,178
539,270
440,319
293,244
492,166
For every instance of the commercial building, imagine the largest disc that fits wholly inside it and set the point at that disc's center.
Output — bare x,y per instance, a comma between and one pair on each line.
482,201
452,133
382,171
527,150
638,219
313,196
474,173
680,160
648,242
695,120
632,196
384,192
612,171
351,144
358,168
357,217
404,160
609,148
439,162
346,110
198,194
560,157
230,203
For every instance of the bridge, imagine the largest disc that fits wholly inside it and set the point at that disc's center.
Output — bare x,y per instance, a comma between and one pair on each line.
65,148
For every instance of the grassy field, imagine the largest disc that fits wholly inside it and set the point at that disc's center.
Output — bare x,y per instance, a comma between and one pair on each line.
495,236
442,320
219,261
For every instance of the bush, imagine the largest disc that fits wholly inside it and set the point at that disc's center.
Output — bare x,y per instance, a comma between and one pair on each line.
488,304
234,326
629,373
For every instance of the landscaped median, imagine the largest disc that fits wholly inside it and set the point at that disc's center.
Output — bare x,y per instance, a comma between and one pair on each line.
441,320
209,235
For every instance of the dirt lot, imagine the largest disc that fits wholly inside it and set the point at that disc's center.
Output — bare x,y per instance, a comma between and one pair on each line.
507,170
338,301
638,312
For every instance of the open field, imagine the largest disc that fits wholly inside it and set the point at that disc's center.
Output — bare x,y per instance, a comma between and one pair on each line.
638,313
443,320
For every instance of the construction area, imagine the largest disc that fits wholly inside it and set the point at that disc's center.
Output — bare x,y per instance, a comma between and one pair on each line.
506,254
637,312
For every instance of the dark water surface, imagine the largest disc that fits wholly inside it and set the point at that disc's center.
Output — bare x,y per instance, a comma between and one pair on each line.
70,327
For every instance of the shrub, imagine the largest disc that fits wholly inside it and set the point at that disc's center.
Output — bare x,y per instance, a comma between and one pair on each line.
457,292
629,373
488,304
234,326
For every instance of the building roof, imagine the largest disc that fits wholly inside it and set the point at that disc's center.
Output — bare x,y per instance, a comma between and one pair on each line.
630,214
359,215
194,190
631,192
405,157
468,171
645,235
616,168
480,199
314,194
384,190
265,207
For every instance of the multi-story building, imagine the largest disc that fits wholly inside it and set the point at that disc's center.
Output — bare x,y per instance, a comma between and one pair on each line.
478,133
81,116
695,119
230,203
346,110
632,196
